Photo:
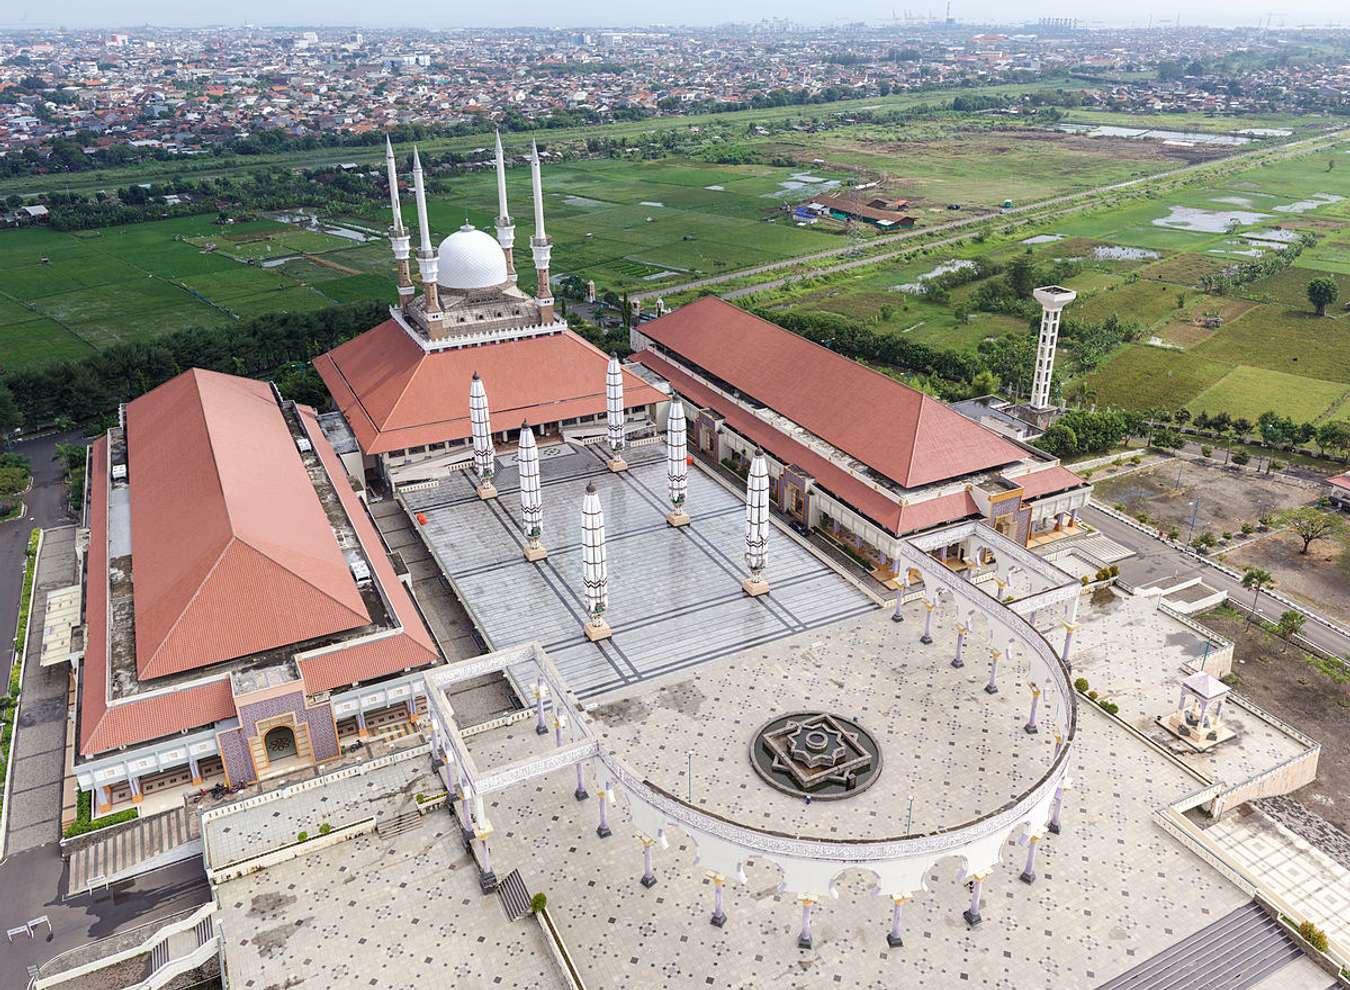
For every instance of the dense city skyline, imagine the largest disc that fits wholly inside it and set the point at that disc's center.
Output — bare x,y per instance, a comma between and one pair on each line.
603,13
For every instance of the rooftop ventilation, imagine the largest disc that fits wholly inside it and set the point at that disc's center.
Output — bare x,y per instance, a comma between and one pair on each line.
119,472
304,444
361,571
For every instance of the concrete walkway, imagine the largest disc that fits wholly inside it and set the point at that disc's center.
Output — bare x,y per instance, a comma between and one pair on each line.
38,749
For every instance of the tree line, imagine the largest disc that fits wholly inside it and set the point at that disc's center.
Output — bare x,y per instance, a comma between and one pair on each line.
94,386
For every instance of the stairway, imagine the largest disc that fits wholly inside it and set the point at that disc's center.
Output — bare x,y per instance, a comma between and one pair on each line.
515,896
135,848
1239,950
406,821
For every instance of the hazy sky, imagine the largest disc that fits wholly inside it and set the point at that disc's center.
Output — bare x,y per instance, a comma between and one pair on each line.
461,13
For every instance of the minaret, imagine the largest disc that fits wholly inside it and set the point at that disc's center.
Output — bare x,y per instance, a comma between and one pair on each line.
427,263
506,230
1053,299
540,243
398,234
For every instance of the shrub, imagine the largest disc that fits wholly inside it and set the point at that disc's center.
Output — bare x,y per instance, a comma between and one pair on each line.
1110,707
1080,684
1313,935
1247,529
538,902
325,828
1173,533
1241,457
1136,459
1113,570
302,837
1207,450
1227,535
1092,695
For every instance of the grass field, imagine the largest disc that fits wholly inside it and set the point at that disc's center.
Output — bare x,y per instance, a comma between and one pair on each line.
1250,392
1141,377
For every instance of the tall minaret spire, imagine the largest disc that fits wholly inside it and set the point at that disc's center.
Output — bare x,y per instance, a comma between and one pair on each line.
398,234
506,230
427,263
540,244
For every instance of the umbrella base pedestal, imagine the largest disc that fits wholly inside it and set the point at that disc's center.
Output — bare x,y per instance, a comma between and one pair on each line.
755,587
533,554
677,518
617,464
595,632
487,491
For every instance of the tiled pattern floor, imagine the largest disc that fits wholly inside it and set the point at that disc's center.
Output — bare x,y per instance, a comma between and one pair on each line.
1134,654
1113,889
674,594
377,913
959,752
1292,867
380,793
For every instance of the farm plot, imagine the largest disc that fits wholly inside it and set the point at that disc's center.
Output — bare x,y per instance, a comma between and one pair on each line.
1249,392
1142,377
1278,339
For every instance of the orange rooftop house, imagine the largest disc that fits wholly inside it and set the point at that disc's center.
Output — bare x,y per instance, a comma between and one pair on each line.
241,614
853,452
403,387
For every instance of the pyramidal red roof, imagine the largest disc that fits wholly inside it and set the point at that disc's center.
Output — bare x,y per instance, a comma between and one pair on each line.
395,395
897,431
231,550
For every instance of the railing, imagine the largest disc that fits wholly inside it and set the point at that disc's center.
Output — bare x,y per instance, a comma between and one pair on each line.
143,948
355,770
175,968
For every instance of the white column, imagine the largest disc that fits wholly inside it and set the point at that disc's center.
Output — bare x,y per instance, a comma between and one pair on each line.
677,464
594,566
757,525
614,414
480,423
531,499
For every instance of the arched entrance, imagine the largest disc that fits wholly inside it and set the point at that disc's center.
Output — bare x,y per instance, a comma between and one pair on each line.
280,743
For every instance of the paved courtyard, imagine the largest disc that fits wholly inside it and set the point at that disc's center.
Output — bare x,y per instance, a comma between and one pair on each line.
1134,654
376,912
1292,867
379,793
675,596
1113,889
958,752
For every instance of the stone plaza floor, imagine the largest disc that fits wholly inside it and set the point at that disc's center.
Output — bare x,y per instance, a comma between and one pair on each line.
379,793
1113,889
1291,866
1134,654
957,751
675,598
397,912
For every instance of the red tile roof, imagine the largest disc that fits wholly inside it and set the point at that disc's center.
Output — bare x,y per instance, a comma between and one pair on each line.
396,395
883,511
1047,481
897,431
1340,481
231,551
412,647
103,727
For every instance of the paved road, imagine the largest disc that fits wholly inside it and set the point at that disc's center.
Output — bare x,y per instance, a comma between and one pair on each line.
46,505
1157,561
31,874
30,883
1070,201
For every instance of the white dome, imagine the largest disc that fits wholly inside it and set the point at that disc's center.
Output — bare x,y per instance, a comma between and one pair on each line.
471,259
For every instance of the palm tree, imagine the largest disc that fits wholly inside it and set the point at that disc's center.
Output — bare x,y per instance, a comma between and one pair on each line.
1257,579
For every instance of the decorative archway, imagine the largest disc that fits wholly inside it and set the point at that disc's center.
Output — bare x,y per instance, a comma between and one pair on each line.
280,743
